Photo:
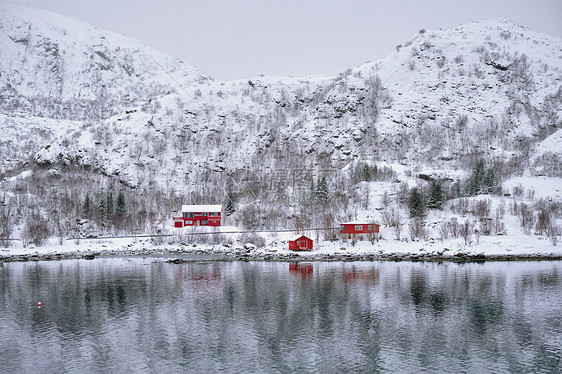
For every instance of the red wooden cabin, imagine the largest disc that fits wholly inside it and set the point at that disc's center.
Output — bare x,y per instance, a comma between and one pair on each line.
300,243
358,230
199,215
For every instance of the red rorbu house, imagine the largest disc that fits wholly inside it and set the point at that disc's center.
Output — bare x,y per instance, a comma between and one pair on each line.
199,215
300,243
358,230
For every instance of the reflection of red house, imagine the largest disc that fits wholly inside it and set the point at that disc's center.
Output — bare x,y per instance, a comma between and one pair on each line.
199,215
300,243
358,230
365,276
304,270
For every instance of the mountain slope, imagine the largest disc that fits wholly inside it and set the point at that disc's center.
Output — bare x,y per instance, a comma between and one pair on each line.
103,117
57,67
45,56
489,90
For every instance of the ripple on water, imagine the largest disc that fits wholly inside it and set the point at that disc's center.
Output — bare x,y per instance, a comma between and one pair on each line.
253,317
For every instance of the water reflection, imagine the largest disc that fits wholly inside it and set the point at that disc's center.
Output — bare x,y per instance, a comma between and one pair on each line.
146,315
303,269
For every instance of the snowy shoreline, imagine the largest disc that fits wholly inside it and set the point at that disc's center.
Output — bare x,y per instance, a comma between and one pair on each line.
488,249
179,257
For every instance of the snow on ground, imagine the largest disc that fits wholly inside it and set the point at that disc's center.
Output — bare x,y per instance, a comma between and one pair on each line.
515,244
512,243
543,187
551,144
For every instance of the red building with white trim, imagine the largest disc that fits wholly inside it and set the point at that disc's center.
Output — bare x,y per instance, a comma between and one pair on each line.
358,230
199,215
300,243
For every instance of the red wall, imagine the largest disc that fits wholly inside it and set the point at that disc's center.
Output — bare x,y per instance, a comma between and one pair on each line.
293,244
349,228
211,220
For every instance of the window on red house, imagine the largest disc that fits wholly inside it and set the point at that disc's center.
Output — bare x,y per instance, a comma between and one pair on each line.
358,227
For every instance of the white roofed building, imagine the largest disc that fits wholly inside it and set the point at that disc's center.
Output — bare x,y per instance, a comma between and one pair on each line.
199,215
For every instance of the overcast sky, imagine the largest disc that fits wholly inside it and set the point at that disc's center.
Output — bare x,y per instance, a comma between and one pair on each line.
239,39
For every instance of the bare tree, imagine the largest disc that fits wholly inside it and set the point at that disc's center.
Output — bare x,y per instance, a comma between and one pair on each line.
36,230
5,224
444,230
454,225
416,228
481,208
392,218
385,199
526,218
329,231
465,230
543,222
553,232
460,206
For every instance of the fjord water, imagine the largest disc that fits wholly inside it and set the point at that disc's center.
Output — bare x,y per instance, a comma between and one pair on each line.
146,315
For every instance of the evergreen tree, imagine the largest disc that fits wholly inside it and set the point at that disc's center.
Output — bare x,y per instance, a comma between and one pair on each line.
474,184
229,204
322,190
109,210
102,209
489,181
481,180
435,199
367,173
415,203
120,208
87,208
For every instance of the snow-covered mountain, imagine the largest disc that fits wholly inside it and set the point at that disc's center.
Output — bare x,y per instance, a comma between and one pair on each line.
74,96
47,57
490,89
56,67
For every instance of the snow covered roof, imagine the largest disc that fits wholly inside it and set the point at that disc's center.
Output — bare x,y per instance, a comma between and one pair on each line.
358,223
297,237
201,208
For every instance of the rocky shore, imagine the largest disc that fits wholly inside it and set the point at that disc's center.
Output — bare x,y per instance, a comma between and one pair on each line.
180,255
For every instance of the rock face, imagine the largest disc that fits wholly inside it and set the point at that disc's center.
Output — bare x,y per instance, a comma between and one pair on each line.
55,66
485,89
57,73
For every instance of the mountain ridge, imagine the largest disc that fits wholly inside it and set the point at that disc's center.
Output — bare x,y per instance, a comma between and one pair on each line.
461,94
446,100
48,56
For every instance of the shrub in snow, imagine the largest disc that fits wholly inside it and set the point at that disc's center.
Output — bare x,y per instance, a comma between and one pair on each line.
35,230
554,231
252,238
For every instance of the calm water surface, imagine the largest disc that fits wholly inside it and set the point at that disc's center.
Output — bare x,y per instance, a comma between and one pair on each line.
127,315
